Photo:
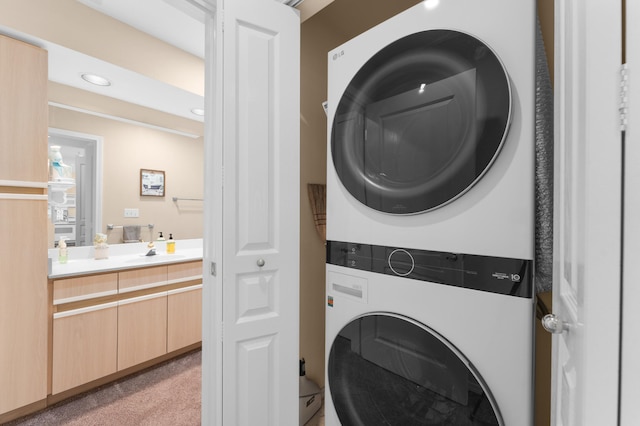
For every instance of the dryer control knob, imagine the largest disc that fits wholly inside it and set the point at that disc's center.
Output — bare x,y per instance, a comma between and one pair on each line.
401,262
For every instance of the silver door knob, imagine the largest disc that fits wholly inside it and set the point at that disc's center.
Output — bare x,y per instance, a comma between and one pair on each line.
260,263
553,324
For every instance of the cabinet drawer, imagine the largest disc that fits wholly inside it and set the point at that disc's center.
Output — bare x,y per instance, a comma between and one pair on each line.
82,288
84,345
140,279
190,271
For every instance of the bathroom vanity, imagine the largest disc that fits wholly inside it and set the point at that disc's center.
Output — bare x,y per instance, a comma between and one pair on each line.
115,316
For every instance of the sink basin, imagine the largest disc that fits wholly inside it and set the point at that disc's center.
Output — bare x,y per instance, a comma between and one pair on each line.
157,258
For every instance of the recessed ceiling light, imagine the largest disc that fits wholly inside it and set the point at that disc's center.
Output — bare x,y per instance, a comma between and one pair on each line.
95,79
431,4
197,111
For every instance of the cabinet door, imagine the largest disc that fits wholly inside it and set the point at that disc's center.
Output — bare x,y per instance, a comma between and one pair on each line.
84,345
142,329
24,111
23,303
184,317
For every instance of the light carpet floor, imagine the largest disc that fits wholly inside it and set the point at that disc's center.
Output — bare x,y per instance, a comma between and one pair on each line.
165,395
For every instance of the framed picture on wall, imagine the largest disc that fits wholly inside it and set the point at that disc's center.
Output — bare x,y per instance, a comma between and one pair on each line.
152,182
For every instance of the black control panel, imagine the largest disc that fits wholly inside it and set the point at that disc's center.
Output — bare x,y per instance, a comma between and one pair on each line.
485,273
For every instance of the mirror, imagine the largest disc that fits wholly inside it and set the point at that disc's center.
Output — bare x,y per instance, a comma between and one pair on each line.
143,119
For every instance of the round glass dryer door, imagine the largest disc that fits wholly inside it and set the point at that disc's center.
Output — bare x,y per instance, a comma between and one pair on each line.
387,370
421,122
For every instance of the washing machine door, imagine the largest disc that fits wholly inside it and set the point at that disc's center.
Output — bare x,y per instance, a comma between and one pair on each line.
421,122
389,370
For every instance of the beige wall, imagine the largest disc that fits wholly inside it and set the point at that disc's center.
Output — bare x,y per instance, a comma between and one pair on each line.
315,43
126,149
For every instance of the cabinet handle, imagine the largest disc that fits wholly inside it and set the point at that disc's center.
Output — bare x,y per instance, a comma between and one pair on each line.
185,289
85,310
141,298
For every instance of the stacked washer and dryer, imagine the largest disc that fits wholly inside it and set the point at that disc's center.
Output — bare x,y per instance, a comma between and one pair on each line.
430,218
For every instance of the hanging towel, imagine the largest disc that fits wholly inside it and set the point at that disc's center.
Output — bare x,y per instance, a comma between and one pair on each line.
544,170
131,233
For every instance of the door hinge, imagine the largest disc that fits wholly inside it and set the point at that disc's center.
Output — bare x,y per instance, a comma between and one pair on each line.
213,269
624,97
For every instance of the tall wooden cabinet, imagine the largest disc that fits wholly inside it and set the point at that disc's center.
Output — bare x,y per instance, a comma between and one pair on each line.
23,225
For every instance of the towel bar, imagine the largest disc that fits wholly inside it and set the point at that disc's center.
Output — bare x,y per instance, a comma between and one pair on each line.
111,226
186,199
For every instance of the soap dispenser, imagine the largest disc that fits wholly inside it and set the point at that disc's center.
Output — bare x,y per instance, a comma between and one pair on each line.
171,245
62,250
160,237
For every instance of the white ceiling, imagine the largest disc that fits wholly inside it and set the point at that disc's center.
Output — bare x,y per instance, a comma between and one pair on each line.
173,21
66,66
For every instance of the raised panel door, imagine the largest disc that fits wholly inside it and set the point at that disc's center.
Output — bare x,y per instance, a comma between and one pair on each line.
587,214
259,244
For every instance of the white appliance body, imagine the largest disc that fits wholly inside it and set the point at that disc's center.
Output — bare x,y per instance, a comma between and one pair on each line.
491,333
430,218
493,216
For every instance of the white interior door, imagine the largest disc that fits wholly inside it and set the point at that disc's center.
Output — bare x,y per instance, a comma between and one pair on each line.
630,369
253,209
587,213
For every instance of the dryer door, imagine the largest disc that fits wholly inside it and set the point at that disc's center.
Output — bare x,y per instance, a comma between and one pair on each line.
389,370
421,122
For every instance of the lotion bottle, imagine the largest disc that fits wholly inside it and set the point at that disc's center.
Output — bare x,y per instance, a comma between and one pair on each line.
62,251
171,245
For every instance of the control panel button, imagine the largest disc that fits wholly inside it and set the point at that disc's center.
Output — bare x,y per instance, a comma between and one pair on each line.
401,262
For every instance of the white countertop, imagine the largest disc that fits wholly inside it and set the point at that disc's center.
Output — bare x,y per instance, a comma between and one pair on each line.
122,256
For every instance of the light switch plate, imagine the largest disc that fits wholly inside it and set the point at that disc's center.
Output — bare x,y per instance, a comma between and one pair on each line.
131,213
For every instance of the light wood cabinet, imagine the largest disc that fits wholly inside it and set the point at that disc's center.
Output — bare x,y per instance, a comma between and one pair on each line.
23,111
83,288
23,219
184,317
141,279
142,329
181,272
23,306
184,305
85,343
106,323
